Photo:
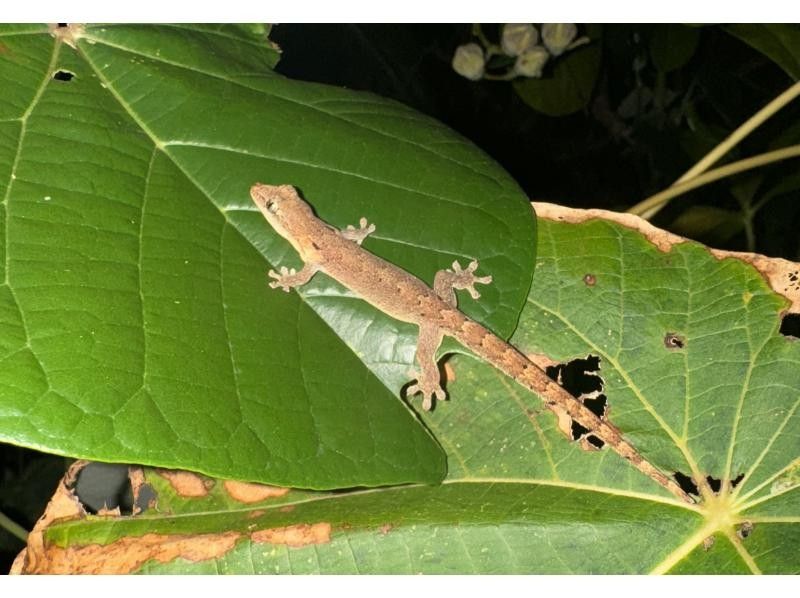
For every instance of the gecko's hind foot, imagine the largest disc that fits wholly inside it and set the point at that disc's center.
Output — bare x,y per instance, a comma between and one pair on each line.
430,393
466,279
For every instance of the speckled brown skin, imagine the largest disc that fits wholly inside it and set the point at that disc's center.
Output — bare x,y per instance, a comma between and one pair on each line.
404,297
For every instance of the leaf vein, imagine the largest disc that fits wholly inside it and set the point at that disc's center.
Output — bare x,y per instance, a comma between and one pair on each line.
426,149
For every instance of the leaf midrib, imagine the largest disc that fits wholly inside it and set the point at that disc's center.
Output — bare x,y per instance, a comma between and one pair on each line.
488,483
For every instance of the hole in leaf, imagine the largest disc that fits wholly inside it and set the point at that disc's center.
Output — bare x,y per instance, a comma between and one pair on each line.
595,441
147,496
686,483
580,378
673,340
596,405
578,431
62,75
104,486
790,325
744,530
716,484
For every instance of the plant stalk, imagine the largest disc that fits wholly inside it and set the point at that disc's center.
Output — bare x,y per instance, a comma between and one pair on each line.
720,150
12,527
655,202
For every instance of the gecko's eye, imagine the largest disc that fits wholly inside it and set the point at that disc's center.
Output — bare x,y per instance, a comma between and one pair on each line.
272,207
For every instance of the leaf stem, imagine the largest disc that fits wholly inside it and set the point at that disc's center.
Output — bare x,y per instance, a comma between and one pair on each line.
749,230
652,204
507,76
12,527
720,150
743,131
491,49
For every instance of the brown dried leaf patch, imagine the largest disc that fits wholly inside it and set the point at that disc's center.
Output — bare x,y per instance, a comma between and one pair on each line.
294,535
129,554
68,34
248,492
64,506
186,483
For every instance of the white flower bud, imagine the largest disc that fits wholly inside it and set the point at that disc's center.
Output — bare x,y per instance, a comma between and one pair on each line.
518,37
531,62
469,61
558,36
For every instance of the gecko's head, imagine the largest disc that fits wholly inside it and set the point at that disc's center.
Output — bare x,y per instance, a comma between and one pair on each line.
283,208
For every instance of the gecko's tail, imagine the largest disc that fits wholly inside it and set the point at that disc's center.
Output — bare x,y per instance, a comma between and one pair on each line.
526,373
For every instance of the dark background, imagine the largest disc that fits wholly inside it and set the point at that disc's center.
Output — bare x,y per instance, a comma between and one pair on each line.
656,99
614,151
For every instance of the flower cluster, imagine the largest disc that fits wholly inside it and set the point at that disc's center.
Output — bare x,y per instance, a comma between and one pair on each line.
522,42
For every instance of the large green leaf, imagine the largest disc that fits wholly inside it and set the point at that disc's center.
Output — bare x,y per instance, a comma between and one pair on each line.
673,45
135,320
780,42
136,327
721,400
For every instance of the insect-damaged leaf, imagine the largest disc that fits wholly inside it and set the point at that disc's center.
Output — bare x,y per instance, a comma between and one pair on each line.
719,407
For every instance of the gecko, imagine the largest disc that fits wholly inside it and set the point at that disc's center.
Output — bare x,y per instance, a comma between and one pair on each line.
399,294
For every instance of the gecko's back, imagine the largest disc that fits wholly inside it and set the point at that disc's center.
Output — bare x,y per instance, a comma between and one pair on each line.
384,285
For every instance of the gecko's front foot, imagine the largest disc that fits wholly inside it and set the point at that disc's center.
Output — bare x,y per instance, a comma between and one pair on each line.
466,279
430,392
286,280
358,234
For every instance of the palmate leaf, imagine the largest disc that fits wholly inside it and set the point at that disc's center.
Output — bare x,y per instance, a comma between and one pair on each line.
720,400
687,347
137,325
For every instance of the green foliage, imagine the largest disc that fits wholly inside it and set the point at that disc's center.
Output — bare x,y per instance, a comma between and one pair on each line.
520,498
567,86
637,116
137,322
671,46
137,327
780,42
